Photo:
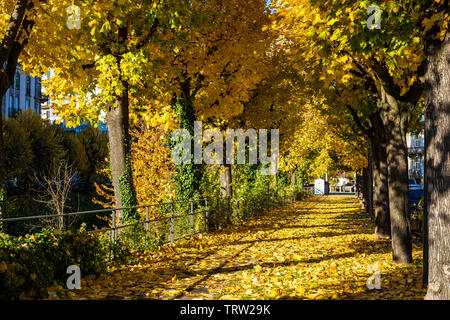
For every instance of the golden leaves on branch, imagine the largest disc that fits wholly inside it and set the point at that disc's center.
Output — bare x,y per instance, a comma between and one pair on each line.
153,168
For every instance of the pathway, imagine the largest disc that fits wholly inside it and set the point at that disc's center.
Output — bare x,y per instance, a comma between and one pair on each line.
320,248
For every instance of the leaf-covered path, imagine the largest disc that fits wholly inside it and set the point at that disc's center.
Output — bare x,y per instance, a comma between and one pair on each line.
319,248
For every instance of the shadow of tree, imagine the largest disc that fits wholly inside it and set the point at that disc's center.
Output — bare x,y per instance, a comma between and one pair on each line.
198,264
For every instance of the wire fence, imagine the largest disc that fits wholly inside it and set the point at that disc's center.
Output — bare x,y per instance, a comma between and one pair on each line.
63,221
167,222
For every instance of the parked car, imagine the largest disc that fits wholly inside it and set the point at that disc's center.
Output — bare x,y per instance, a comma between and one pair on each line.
349,187
412,183
415,194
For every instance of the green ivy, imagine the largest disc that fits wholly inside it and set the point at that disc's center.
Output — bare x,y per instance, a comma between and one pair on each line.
128,192
188,176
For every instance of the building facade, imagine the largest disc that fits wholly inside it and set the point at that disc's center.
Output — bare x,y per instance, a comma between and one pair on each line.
416,151
25,93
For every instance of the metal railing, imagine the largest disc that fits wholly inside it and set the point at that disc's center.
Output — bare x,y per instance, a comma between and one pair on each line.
342,189
115,218
415,150
308,190
334,189
188,212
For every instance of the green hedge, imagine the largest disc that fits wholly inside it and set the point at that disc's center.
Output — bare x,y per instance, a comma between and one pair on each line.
31,264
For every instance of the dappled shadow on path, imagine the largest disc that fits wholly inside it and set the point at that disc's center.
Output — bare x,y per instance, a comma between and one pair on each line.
312,249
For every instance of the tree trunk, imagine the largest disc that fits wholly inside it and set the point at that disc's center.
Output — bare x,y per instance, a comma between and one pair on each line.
437,174
188,176
294,178
2,167
225,180
395,118
275,180
359,193
120,153
365,195
368,186
381,195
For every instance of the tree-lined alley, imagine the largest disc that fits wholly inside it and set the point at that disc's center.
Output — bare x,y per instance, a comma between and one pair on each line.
319,248
343,81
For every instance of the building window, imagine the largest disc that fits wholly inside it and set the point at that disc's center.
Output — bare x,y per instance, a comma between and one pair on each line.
27,104
17,81
419,141
418,165
11,106
37,88
37,107
17,106
28,87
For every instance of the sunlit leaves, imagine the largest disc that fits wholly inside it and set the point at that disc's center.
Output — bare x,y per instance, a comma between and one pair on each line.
341,26
321,248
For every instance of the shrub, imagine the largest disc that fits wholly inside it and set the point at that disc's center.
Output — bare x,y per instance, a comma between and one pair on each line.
31,264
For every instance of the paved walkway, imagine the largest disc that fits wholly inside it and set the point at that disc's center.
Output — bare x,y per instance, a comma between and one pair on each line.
320,248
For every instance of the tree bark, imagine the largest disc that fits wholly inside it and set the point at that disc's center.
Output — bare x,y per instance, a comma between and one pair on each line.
189,176
371,187
294,178
437,173
368,185
2,170
395,116
379,206
358,183
365,188
225,180
380,176
120,151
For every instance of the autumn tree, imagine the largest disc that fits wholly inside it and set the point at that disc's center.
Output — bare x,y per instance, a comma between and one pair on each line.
100,53
373,129
364,119
335,38
437,136
213,71
152,166
17,22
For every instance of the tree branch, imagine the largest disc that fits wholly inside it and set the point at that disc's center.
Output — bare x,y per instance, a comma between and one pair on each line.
366,131
147,38
12,30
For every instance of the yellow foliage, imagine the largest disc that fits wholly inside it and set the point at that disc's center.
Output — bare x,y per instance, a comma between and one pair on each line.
153,168
305,250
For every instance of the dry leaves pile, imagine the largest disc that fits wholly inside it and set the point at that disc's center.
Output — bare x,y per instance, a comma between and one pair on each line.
320,248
